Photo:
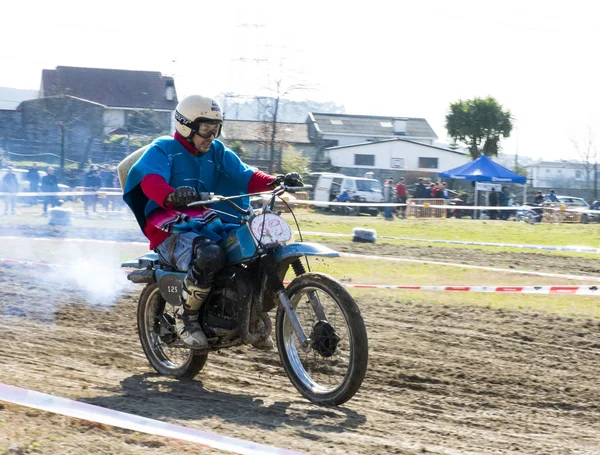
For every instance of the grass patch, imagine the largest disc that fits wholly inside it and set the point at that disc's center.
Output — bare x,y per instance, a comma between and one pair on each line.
459,229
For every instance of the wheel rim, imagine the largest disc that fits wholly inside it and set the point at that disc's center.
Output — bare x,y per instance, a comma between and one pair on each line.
172,355
317,373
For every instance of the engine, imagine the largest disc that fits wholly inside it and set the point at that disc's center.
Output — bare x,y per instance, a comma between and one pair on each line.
230,298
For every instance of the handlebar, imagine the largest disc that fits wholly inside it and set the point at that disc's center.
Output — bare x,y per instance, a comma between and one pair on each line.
280,189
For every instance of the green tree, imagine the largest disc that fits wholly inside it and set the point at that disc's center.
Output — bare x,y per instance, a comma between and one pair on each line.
479,123
292,161
143,121
238,149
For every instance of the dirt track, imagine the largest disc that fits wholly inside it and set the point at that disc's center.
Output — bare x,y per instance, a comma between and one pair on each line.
442,379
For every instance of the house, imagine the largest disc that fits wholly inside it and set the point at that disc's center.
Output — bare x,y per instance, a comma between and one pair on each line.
10,117
255,138
394,157
562,174
332,130
123,93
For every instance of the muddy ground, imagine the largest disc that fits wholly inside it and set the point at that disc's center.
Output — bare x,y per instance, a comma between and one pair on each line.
442,379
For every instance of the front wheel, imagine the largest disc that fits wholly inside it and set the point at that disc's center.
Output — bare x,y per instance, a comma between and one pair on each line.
333,368
163,349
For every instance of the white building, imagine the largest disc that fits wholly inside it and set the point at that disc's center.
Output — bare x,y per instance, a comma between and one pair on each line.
396,154
561,174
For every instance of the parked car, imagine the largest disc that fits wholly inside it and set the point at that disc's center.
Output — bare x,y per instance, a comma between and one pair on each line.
533,213
329,186
580,205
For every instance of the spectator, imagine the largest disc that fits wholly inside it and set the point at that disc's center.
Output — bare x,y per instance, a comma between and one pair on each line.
420,189
92,183
401,195
493,202
443,193
503,202
10,185
539,198
552,197
33,176
50,185
388,197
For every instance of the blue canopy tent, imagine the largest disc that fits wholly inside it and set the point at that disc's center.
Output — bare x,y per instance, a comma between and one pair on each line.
483,169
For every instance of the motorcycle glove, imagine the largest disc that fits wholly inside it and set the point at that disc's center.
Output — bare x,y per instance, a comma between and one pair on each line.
292,179
183,195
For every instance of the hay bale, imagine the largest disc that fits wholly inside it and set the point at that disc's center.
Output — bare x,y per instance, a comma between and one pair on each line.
59,216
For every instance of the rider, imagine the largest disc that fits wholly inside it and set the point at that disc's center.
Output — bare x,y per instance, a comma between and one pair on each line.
171,173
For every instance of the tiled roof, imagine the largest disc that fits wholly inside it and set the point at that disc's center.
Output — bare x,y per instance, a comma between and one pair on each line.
397,139
243,130
113,88
370,125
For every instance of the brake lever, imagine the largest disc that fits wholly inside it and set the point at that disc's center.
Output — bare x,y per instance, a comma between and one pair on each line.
214,200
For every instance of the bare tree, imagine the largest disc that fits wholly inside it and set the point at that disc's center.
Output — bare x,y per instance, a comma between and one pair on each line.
588,152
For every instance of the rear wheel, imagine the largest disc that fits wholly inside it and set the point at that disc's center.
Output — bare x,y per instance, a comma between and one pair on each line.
163,349
333,367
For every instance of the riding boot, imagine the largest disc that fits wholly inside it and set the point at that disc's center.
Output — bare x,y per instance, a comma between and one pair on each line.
186,321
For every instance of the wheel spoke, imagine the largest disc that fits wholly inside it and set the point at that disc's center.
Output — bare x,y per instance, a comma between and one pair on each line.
316,371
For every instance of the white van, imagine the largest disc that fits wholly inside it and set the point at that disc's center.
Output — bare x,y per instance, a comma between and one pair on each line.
329,186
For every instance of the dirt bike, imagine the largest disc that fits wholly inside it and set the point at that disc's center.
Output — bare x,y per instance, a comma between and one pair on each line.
320,333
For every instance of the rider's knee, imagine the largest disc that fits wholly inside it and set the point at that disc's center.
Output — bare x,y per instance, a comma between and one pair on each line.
209,258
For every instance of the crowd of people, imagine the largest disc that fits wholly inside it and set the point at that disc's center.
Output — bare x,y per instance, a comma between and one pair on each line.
397,192
92,180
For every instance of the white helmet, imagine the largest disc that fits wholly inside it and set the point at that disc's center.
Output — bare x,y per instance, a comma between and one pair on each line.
194,110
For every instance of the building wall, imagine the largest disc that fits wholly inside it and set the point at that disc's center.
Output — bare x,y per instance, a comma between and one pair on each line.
397,155
561,177
113,118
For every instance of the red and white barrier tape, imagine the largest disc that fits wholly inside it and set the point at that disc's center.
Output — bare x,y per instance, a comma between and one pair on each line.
63,406
573,290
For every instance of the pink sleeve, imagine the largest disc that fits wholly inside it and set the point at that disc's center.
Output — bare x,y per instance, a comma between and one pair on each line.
156,188
259,181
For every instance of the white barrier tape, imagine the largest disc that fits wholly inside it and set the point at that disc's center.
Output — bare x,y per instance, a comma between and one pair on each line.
92,413
325,203
61,193
570,249
477,267
64,239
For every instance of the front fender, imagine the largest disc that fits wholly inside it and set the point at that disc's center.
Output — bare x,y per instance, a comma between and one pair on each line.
294,250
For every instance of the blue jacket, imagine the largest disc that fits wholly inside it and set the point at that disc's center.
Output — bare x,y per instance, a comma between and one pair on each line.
218,171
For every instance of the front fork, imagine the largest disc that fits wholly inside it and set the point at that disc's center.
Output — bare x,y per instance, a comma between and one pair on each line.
279,290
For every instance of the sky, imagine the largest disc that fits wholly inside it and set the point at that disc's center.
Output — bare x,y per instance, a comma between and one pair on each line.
539,59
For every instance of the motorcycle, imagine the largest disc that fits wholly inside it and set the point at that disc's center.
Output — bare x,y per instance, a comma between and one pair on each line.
320,333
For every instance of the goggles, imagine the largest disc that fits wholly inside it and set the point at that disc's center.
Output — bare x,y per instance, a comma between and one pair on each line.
207,129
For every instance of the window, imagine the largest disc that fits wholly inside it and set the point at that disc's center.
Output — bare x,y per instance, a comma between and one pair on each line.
578,175
364,160
428,163
386,124
398,163
336,122
368,185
